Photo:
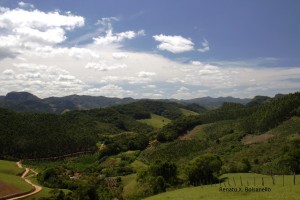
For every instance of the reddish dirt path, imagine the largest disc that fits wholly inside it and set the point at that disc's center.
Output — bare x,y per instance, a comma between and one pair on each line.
36,187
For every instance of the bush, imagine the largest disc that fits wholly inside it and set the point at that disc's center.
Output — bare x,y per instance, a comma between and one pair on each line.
204,169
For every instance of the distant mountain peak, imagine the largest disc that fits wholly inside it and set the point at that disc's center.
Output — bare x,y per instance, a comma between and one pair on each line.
20,96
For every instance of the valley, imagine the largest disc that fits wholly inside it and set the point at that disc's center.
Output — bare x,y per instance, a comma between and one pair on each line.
147,147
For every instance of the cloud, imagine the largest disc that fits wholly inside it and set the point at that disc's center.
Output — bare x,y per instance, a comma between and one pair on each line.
107,21
25,5
6,53
194,62
32,60
31,30
174,44
205,46
141,32
8,72
182,92
152,95
144,74
102,66
110,37
109,90
150,86
119,55
18,18
41,80
125,80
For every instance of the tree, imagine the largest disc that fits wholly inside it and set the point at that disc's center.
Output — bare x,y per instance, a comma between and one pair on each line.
158,176
164,169
158,185
204,169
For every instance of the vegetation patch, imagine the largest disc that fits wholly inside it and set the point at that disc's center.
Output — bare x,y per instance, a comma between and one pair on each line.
252,139
186,112
156,121
276,192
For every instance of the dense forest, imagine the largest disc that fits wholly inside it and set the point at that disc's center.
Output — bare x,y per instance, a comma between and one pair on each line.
41,135
193,146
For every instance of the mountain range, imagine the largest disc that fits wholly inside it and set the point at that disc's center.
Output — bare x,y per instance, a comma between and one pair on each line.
27,102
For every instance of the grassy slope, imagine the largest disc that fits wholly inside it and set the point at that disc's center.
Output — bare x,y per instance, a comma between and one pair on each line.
186,112
130,185
156,121
278,191
9,175
8,167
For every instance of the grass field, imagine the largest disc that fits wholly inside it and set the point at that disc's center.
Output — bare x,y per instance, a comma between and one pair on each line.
186,112
280,191
10,180
9,167
156,121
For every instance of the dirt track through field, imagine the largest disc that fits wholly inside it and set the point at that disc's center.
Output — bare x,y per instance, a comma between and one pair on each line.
36,187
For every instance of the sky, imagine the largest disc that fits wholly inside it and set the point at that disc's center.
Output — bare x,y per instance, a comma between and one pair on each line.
156,49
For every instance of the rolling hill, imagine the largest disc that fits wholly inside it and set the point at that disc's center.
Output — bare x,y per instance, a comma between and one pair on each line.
147,147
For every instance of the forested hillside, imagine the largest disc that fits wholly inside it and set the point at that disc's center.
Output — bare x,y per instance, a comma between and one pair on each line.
132,157
37,135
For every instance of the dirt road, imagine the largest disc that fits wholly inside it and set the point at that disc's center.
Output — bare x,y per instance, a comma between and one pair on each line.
36,187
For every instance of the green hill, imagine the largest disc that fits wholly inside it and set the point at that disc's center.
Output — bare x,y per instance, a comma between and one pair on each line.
140,149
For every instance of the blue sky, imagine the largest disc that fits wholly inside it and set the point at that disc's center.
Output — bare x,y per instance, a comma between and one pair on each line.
150,49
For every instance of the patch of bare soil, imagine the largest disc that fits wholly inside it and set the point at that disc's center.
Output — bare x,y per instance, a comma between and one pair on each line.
254,139
7,189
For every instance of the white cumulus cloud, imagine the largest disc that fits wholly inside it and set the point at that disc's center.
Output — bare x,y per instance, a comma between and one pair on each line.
174,44
31,30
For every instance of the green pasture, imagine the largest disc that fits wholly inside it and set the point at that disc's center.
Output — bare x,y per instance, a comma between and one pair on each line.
156,121
10,175
186,112
9,167
229,189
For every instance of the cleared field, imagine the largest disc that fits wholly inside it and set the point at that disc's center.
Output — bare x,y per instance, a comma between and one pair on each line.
186,112
9,167
285,190
10,182
156,121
